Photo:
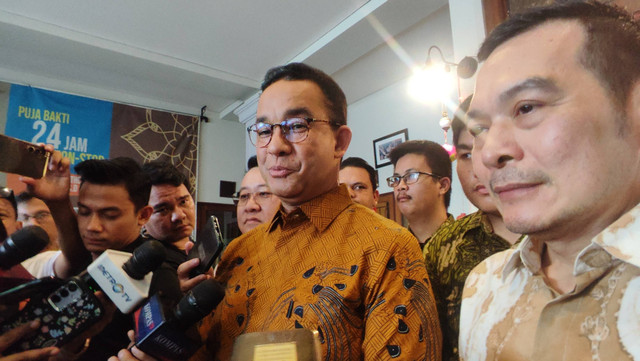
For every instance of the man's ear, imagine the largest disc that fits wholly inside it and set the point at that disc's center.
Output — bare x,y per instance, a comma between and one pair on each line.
633,111
144,214
445,185
343,139
376,196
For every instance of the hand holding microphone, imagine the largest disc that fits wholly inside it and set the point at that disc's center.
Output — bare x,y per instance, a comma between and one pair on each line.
169,335
71,309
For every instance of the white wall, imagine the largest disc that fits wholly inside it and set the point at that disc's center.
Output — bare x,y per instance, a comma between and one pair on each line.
221,157
392,109
388,111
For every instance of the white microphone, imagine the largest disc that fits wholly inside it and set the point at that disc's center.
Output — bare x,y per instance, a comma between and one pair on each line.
124,277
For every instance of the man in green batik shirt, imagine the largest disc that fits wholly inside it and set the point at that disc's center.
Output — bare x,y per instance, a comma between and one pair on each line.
457,247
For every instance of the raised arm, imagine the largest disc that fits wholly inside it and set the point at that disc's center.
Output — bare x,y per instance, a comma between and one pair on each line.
53,189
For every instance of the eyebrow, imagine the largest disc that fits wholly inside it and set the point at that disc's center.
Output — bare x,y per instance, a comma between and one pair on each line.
256,187
107,209
294,112
463,146
160,206
407,171
536,82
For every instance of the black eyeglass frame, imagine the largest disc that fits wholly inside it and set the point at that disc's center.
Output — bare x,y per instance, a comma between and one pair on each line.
400,178
286,129
254,195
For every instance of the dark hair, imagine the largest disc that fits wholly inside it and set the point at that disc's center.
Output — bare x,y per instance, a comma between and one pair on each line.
24,197
117,171
163,172
459,124
11,198
437,159
252,162
335,98
361,163
612,46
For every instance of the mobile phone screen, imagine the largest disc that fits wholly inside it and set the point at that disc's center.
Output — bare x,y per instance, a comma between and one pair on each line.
22,157
207,247
64,314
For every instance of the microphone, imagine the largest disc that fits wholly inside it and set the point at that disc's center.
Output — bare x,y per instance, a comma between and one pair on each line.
171,335
3,231
22,244
124,277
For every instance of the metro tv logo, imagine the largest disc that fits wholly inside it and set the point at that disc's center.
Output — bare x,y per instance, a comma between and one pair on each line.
115,286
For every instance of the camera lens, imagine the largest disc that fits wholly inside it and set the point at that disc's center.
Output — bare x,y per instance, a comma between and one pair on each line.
73,287
55,298
64,293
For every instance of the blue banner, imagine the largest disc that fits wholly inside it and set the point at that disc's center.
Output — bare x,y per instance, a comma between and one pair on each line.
79,127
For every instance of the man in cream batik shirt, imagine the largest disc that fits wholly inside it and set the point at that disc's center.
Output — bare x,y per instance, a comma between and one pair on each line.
556,120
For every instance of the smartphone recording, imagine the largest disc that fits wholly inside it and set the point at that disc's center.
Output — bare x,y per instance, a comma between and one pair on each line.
22,158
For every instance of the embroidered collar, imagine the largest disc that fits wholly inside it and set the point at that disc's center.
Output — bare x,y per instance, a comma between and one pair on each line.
321,211
619,240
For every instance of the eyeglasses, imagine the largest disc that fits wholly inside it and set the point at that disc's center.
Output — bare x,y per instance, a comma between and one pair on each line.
243,197
295,130
39,217
408,178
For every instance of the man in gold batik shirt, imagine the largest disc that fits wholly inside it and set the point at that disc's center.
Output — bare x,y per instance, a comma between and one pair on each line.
323,263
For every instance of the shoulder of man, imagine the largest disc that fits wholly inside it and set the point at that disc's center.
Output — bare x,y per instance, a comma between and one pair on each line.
451,231
488,274
366,220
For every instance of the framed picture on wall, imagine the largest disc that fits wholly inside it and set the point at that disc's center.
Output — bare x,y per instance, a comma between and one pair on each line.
383,146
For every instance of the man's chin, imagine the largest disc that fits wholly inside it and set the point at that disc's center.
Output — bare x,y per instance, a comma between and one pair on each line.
95,249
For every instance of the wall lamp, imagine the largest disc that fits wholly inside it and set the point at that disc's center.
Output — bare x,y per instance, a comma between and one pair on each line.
465,68
434,81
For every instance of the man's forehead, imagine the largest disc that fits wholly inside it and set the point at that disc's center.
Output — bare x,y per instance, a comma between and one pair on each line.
5,206
533,59
98,196
289,98
253,179
32,205
547,37
362,173
413,160
161,191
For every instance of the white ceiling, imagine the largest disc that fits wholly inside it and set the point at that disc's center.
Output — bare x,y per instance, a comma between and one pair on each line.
181,55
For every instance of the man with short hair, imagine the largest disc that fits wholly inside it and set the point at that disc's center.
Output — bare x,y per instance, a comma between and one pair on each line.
457,247
174,212
112,207
421,184
32,211
9,211
255,204
322,263
556,120
361,181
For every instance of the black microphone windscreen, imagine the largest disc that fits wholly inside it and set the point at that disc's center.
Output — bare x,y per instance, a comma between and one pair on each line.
146,258
24,243
3,231
199,302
